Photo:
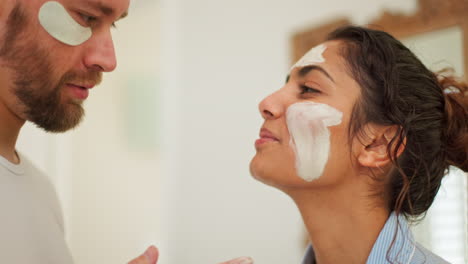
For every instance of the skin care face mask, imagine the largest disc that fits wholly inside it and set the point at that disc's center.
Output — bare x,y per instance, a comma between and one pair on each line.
55,19
312,57
308,124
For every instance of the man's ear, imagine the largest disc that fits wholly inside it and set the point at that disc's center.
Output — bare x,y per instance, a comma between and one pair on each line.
373,152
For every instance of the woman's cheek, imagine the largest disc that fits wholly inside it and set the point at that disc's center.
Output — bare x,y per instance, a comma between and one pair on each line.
308,124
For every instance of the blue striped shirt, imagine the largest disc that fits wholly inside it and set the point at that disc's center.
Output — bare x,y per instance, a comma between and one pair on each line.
403,251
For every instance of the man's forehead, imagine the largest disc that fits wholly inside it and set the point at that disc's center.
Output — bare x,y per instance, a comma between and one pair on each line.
109,7
117,8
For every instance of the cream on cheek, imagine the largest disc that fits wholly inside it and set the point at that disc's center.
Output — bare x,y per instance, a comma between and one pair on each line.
308,124
55,19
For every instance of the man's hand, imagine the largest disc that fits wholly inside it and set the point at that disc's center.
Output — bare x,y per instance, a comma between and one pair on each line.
241,260
149,257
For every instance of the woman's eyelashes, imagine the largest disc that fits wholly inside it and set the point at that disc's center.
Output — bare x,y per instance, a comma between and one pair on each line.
309,90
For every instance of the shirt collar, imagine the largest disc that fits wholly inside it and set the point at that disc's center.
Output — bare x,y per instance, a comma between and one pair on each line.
398,248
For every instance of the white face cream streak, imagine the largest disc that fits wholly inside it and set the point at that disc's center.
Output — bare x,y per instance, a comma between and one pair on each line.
55,19
312,57
308,124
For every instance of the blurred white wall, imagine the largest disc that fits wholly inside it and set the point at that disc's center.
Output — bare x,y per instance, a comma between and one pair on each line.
226,56
114,207
188,189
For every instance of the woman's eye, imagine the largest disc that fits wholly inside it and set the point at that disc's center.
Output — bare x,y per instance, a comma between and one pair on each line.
307,89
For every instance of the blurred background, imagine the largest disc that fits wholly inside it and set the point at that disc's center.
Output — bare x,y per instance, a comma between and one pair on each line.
162,155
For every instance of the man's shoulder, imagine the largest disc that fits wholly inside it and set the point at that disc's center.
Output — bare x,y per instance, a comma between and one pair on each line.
35,174
43,187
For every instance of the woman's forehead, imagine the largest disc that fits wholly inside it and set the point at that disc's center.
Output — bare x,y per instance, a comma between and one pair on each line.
325,56
335,63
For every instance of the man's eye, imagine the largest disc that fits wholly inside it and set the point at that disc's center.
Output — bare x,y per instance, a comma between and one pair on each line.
307,89
88,19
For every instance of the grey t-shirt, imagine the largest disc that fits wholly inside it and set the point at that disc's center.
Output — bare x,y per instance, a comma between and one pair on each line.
31,223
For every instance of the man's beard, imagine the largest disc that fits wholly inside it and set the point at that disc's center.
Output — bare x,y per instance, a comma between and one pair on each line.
40,97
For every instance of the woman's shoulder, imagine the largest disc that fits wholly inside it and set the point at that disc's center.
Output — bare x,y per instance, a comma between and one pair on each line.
396,244
423,255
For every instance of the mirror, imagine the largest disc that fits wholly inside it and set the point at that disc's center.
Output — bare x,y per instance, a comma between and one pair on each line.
444,228
439,49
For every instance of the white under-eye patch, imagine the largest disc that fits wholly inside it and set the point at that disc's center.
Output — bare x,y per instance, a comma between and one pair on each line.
59,24
312,57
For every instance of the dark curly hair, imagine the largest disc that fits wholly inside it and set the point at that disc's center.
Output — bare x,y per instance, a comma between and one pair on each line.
430,111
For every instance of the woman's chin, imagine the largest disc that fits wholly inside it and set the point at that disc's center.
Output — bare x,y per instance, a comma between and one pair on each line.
275,176
254,168
259,171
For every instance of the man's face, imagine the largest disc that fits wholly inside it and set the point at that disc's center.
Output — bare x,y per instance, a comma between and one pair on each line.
43,79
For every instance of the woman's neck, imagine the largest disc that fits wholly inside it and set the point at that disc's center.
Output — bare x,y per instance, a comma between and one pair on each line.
343,224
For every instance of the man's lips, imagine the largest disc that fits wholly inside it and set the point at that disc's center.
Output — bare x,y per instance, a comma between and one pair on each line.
82,85
80,91
265,137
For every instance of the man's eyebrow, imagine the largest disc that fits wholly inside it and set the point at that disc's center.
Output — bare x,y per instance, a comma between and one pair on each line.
304,71
124,15
105,9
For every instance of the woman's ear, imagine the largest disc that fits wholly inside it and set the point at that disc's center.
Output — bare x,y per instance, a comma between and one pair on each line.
373,153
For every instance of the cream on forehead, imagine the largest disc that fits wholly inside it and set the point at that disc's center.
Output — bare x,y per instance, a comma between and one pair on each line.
312,57
308,124
55,19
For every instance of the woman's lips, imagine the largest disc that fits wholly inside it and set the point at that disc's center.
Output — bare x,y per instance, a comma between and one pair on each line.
265,137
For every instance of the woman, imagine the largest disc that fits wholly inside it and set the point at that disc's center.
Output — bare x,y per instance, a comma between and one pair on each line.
360,137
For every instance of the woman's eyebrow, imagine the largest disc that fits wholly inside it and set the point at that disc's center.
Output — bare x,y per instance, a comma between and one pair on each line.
304,71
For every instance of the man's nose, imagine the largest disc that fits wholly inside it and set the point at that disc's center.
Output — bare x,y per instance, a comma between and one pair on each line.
100,52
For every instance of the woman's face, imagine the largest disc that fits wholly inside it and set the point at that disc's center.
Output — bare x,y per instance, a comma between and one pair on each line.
304,138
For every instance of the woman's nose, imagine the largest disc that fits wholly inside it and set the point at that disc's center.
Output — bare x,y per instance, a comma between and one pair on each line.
271,107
